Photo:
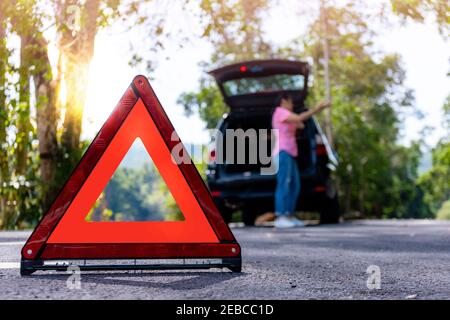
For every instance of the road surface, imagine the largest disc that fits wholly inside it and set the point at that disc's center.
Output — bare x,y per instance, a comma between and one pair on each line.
316,262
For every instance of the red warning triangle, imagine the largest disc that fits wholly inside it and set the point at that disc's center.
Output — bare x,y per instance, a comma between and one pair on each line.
64,233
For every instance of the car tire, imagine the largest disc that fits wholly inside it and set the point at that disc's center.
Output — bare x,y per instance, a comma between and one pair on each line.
248,216
330,213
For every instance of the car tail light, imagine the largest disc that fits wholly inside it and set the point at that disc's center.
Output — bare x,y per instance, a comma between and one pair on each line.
320,189
216,194
212,155
243,68
321,150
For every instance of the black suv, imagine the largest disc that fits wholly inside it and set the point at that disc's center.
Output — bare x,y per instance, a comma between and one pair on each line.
251,89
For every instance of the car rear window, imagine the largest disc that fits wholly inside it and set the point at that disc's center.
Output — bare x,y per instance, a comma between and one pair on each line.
271,83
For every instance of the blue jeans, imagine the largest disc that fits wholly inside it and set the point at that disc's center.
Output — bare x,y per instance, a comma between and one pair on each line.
288,184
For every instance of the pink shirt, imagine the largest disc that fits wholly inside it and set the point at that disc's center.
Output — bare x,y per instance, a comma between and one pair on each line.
285,139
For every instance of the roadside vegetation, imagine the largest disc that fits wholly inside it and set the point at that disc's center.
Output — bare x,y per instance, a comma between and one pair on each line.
41,105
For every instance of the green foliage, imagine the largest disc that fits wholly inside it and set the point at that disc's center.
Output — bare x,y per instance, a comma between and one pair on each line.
446,110
135,194
234,28
20,190
27,182
21,195
436,181
207,101
419,9
376,175
444,212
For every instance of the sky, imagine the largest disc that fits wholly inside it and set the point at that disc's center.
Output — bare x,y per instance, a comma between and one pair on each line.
424,53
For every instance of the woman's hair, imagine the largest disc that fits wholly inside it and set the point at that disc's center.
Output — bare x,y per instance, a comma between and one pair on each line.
284,96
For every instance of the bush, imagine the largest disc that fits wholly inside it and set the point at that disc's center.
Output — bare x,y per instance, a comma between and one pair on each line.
444,212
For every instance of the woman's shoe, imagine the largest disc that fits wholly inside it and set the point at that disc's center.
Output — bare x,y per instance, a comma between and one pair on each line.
266,217
298,223
284,222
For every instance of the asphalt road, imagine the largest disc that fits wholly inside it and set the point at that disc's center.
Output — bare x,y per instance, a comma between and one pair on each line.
316,262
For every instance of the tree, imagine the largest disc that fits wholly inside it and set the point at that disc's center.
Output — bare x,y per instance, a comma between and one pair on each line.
446,111
4,54
368,94
444,212
326,68
77,23
136,194
436,181
37,153
77,27
234,29
18,161
35,68
418,10
376,176
434,184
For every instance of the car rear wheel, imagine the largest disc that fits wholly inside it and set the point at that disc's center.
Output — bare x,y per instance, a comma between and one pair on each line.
329,212
250,212
248,216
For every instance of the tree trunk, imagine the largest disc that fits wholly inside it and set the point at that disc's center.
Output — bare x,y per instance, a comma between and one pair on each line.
46,119
23,112
76,84
77,48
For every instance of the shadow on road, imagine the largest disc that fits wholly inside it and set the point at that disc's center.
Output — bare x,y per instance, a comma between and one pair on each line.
188,281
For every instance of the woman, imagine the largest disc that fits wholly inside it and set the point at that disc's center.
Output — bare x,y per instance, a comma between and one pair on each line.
286,151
